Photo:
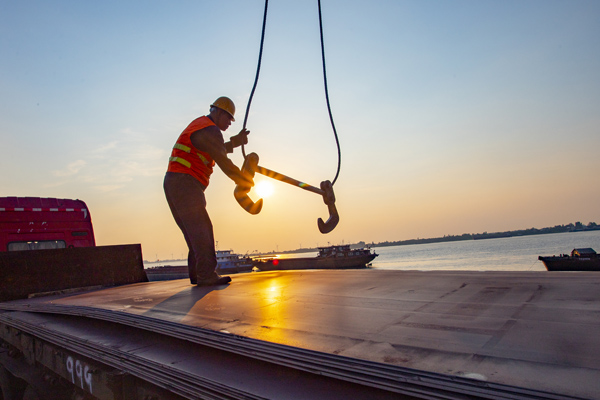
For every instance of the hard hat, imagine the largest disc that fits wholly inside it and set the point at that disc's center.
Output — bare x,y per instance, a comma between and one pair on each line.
225,104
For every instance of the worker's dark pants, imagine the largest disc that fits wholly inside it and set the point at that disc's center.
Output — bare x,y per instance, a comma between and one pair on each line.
185,196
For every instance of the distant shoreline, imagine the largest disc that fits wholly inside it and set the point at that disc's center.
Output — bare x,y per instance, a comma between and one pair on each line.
576,227
485,235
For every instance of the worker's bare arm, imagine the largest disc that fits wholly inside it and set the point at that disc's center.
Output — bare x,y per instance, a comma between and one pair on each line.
210,140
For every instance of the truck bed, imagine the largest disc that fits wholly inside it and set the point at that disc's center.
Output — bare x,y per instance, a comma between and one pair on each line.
506,335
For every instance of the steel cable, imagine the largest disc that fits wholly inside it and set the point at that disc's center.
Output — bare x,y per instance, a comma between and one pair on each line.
262,39
337,141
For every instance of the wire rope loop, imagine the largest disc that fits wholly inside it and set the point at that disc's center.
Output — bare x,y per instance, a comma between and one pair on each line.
262,40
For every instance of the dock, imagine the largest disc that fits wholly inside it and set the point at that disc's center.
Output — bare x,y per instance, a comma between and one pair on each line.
346,333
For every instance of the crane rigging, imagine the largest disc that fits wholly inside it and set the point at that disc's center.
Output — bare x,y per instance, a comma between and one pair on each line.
250,166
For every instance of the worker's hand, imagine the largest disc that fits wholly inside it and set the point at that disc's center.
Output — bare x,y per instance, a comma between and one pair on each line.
240,139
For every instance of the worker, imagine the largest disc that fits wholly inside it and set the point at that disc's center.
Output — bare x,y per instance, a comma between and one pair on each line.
193,157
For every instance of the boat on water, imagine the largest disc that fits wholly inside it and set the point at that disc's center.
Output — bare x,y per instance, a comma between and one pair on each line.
331,257
228,262
585,259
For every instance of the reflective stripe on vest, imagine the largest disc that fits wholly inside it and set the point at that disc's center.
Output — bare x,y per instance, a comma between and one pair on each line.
185,148
182,147
181,161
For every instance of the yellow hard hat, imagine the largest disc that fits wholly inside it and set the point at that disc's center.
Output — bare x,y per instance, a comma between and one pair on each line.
225,104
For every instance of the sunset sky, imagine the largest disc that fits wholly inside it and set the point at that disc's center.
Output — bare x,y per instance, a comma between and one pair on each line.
453,116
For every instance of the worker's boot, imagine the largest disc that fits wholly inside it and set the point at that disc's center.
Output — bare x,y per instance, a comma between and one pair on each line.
213,280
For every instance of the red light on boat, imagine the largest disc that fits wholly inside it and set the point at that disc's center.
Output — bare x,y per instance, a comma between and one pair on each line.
275,262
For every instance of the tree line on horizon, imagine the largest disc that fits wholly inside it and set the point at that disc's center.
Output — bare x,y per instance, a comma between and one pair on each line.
576,227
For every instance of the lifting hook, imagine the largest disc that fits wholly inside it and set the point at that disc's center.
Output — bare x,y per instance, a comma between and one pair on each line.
251,166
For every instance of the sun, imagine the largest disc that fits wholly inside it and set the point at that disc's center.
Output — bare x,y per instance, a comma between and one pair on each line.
263,189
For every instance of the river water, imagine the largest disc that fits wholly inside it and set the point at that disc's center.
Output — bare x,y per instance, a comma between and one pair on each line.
518,253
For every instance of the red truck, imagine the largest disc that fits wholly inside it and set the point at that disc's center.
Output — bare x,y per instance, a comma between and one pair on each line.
36,223
48,244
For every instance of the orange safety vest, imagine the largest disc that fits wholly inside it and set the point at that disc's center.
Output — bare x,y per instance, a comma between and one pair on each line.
187,159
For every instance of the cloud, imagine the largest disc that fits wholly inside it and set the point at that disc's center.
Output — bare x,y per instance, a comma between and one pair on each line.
116,163
53,185
113,165
104,149
71,169
107,188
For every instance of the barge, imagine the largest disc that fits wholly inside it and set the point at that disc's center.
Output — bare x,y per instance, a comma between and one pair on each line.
585,259
331,257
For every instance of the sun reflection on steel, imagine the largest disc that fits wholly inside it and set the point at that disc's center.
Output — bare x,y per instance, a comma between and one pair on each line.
273,310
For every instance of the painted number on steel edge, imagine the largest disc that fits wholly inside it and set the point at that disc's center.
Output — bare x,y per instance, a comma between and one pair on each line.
80,373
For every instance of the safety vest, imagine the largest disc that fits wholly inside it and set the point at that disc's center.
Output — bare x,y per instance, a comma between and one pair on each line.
187,159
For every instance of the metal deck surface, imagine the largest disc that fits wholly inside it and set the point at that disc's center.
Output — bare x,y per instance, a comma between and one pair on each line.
535,330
